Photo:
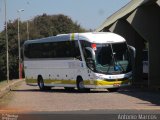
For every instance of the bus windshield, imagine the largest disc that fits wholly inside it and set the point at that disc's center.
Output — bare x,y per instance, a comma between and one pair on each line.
112,58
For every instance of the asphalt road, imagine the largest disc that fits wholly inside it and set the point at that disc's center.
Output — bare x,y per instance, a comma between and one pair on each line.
29,99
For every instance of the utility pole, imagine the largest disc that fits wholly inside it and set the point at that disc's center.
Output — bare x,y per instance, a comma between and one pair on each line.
27,29
7,53
19,46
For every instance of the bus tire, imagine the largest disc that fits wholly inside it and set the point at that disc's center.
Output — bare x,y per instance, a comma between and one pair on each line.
41,84
113,89
80,84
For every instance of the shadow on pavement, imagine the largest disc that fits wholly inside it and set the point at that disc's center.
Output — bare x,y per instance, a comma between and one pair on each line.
59,91
146,95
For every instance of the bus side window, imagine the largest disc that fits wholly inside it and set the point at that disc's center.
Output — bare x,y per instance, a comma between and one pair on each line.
89,59
76,51
26,51
87,54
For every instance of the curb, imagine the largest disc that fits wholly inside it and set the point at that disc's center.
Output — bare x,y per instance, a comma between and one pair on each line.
8,87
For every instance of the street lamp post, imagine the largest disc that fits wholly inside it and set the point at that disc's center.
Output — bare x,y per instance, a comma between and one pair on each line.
19,47
27,29
7,53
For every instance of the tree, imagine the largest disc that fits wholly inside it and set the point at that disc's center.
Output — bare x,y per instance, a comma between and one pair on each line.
41,26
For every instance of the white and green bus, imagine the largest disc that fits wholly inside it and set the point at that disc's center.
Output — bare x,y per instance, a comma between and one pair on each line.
79,60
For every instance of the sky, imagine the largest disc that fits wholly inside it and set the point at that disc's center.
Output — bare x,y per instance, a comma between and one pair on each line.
90,14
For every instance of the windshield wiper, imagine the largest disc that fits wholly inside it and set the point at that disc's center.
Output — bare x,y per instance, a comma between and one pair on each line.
119,64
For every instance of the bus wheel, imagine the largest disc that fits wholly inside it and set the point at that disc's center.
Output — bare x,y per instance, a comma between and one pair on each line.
41,84
113,89
80,84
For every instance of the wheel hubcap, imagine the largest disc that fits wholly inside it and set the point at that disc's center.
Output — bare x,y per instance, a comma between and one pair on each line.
81,85
41,84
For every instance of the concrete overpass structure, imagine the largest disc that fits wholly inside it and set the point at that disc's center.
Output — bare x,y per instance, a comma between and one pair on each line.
139,22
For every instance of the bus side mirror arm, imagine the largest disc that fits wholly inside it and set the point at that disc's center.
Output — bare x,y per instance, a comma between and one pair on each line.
91,64
133,50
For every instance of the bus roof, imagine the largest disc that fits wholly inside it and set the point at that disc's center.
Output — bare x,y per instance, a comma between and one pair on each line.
102,37
93,37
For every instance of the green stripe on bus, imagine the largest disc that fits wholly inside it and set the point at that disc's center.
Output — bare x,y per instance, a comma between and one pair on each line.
72,36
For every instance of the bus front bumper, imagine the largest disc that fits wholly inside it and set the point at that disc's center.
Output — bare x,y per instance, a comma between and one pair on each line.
109,84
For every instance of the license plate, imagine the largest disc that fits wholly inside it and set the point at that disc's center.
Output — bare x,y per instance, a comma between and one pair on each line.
116,84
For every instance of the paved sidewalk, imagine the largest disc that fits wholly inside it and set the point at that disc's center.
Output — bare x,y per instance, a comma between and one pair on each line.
6,87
